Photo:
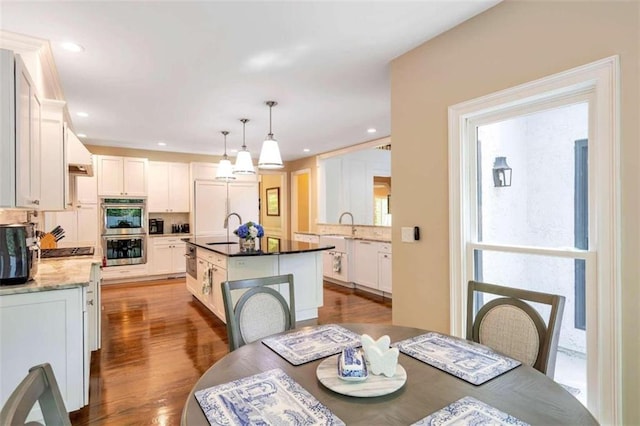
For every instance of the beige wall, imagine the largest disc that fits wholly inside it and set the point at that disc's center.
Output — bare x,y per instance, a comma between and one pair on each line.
512,43
273,224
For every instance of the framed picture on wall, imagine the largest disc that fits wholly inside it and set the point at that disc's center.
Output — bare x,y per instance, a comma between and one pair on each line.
273,201
273,244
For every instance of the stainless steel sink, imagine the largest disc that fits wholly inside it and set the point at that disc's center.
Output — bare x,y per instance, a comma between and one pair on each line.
222,242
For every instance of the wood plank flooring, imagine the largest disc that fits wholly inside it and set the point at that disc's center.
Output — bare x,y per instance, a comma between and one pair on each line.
157,340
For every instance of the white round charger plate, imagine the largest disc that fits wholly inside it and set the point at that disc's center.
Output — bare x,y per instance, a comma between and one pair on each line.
374,385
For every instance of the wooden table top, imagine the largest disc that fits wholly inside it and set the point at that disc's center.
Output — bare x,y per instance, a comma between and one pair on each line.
523,392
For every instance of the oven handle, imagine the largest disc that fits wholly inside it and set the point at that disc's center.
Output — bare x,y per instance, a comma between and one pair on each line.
125,237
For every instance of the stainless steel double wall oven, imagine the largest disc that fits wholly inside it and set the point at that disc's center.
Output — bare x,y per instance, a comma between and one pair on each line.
123,231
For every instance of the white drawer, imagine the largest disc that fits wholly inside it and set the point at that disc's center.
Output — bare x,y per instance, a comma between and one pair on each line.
385,248
213,258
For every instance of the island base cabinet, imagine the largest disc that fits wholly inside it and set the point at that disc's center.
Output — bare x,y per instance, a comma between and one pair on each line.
307,277
46,326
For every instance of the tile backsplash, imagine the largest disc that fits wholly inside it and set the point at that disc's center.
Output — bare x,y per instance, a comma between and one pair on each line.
19,216
382,233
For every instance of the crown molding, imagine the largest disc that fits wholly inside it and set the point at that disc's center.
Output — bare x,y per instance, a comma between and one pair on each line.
40,48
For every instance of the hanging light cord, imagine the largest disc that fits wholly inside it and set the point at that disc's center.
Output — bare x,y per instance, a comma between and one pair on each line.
225,133
244,123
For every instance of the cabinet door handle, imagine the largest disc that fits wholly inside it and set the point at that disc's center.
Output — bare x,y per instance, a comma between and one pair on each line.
36,202
90,302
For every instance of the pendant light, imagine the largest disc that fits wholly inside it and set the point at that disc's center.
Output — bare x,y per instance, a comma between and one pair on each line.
225,170
244,163
270,153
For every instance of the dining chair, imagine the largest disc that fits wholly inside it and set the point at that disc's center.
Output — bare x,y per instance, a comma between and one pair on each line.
512,326
255,309
39,385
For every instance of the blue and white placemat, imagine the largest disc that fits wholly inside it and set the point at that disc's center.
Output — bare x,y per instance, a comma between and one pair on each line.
469,411
308,345
467,360
269,398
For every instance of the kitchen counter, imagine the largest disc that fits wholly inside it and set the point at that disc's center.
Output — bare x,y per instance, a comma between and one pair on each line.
284,247
56,274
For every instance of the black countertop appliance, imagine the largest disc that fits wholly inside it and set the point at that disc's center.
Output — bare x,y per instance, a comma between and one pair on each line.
156,226
18,260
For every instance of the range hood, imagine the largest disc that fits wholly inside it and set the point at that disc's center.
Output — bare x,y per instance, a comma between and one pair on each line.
78,157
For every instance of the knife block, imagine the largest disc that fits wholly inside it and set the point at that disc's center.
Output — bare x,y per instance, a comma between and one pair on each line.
48,241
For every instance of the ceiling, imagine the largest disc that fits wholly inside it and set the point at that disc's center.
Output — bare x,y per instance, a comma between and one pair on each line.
181,72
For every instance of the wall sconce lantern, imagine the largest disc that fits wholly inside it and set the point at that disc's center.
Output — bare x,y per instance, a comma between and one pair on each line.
501,172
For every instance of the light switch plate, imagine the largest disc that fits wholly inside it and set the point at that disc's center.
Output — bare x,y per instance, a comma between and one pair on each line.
407,234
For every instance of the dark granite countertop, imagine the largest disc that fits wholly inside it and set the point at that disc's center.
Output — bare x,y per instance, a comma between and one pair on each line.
264,246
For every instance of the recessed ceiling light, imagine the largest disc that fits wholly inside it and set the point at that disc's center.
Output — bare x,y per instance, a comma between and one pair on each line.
72,47
82,114
306,150
162,144
81,135
371,130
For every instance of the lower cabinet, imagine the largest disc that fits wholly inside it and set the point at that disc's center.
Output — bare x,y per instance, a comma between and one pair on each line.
211,273
167,256
372,265
384,272
335,266
365,259
46,326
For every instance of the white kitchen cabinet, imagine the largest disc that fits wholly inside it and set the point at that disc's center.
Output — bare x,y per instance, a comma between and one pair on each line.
167,256
20,113
384,272
210,208
168,187
80,225
53,172
244,200
85,188
213,200
117,274
365,263
211,273
45,326
122,176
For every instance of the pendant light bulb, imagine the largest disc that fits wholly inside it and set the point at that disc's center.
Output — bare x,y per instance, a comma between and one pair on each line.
244,163
225,169
270,154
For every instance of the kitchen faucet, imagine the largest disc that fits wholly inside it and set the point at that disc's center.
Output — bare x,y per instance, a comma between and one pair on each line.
353,228
226,219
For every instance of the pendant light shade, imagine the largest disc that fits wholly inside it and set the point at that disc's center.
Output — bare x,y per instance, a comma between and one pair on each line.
225,170
244,163
270,154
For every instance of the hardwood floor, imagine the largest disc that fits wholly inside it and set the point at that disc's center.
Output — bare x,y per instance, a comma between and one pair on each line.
157,340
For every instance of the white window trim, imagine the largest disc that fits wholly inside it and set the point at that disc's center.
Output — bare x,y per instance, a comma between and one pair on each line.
602,79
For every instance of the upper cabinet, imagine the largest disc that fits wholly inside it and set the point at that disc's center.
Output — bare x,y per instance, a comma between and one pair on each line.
20,109
358,182
54,176
122,176
168,187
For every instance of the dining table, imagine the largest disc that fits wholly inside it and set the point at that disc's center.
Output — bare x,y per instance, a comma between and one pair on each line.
523,392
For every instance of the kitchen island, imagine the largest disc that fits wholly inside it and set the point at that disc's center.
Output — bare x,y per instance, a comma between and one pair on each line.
211,261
